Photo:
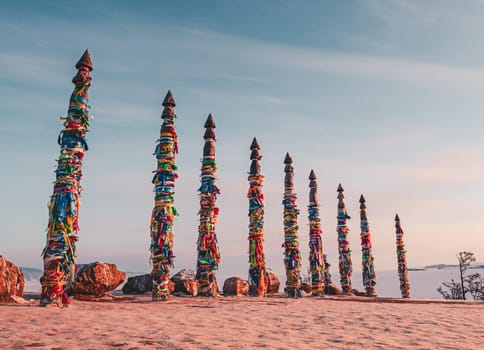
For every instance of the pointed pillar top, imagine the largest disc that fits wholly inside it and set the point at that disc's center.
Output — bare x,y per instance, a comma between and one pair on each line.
362,202
255,153
397,218
313,186
209,123
340,192
85,61
255,156
169,100
287,159
254,144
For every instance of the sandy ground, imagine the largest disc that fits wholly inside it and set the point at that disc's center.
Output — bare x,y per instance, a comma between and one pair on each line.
244,323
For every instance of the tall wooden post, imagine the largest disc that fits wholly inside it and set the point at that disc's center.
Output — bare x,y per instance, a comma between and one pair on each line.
207,245
402,260
163,214
257,261
59,253
316,260
292,256
367,265
345,265
327,275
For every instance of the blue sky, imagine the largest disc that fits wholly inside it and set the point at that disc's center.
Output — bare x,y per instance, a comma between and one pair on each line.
382,96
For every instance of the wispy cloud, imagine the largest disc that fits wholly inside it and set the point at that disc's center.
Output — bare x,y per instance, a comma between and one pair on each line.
25,33
422,12
27,68
220,55
431,17
270,55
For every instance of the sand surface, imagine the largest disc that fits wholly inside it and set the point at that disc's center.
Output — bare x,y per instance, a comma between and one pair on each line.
244,323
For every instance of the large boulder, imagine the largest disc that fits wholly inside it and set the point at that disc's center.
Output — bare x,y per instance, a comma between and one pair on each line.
332,289
12,281
142,284
185,283
306,287
138,284
235,286
358,293
273,282
96,279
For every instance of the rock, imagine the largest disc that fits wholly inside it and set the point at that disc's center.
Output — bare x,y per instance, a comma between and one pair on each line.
20,300
12,281
138,284
142,284
306,287
358,293
184,282
235,286
96,279
332,289
273,282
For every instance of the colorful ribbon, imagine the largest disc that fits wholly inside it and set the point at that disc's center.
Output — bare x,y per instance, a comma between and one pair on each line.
345,264
257,262
59,254
367,265
207,245
316,260
402,260
327,274
163,214
292,256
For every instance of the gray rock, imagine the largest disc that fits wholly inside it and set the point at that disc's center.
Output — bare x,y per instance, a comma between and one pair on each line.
273,282
138,284
185,283
235,286
332,289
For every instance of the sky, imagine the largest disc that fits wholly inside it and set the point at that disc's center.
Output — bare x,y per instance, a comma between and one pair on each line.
384,97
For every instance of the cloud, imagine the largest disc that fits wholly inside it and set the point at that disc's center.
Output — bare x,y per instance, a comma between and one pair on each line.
422,12
30,69
243,59
270,55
